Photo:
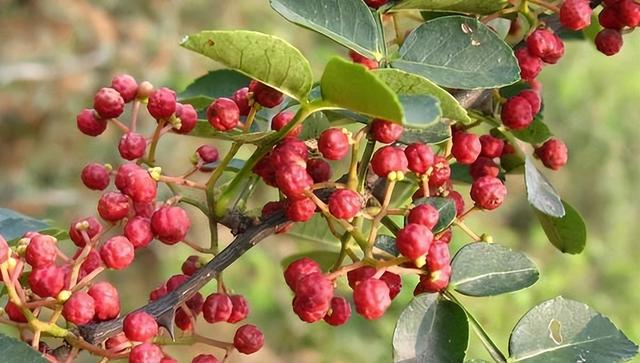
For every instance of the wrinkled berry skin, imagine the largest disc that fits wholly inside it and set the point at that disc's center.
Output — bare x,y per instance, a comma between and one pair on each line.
608,18
117,253
575,14
466,147
170,224
628,11
89,124
79,309
482,167
299,269
248,339
140,326
132,146
517,113
293,180
546,45
240,309
441,172
414,240
146,353
281,120
424,214
530,65
458,201
534,100
126,86
162,103
553,154
354,277
122,175
188,118
339,313
345,203
333,144
217,308
265,95
609,41
488,192
434,282
223,114
491,146
106,299
204,358
319,170
385,132
113,206
191,265
141,187
241,98
208,153
108,103
41,251
95,176
313,297
300,210
388,159
138,232
371,298
419,157
76,236
92,262
47,281
394,282
438,256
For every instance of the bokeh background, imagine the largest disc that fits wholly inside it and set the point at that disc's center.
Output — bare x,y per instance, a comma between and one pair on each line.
55,54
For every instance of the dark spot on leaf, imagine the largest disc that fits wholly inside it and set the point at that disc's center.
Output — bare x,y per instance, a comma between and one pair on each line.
211,43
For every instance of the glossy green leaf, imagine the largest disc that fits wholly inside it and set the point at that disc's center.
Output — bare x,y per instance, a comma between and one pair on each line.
537,133
404,83
314,230
462,6
420,111
387,244
16,351
352,86
221,83
461,173
348,22
458,52
436,133
446,209
431,329
313,126
540,193
325,259
487,269
14,224
266,58
568,233
204,129
563,330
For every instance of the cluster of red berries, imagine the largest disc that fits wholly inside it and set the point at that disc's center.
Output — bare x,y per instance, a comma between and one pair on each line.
616,16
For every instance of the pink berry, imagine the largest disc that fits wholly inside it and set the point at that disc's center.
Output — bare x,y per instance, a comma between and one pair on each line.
188,118
14,313
248,339
483,167
140,326
91,263
420,158
319,170
488,192
546,45
339,313
385,131
126,85
300,210
424,214
371,298
47,281
95,176
138,232
313,297
394,282
281,120
162,103
517,113
609,41
628,12
240,309
132,146
438,256
89,123
333,144
170,224
158,292
458,201
146,353
108,103
106,299
354,277
208,153
491,146
191,265
223,114
534,100
241,98
79,309
414,240
466,147
436,280
388,159
575,14
530,65
293,180
41,251
376,3
117,253
441,172
122,175
176,281
299,269
113,206
345,203
609,19
204,358
553,153
141,187
217,308
264,95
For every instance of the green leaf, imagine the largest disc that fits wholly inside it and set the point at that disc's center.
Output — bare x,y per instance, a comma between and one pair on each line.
461,173
18,352
348,22
462,6
13,224
475,361
431,329
446,209
215,84
314,230
563,330
540,193
234,165
404,83
352,86
204,129
266,58
387,244
487,269
437,133
458,52
325,259
421,111
569,233
313,126
537,133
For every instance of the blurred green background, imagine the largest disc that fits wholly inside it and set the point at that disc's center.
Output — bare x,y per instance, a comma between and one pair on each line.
55,54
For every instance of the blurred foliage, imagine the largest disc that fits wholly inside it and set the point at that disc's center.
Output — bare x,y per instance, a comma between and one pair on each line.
55,54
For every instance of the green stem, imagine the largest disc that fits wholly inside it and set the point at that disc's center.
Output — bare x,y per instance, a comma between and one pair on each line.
486,340
344,245
364,164
151,158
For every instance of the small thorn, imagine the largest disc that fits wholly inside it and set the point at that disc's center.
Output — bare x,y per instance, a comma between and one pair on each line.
166,321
